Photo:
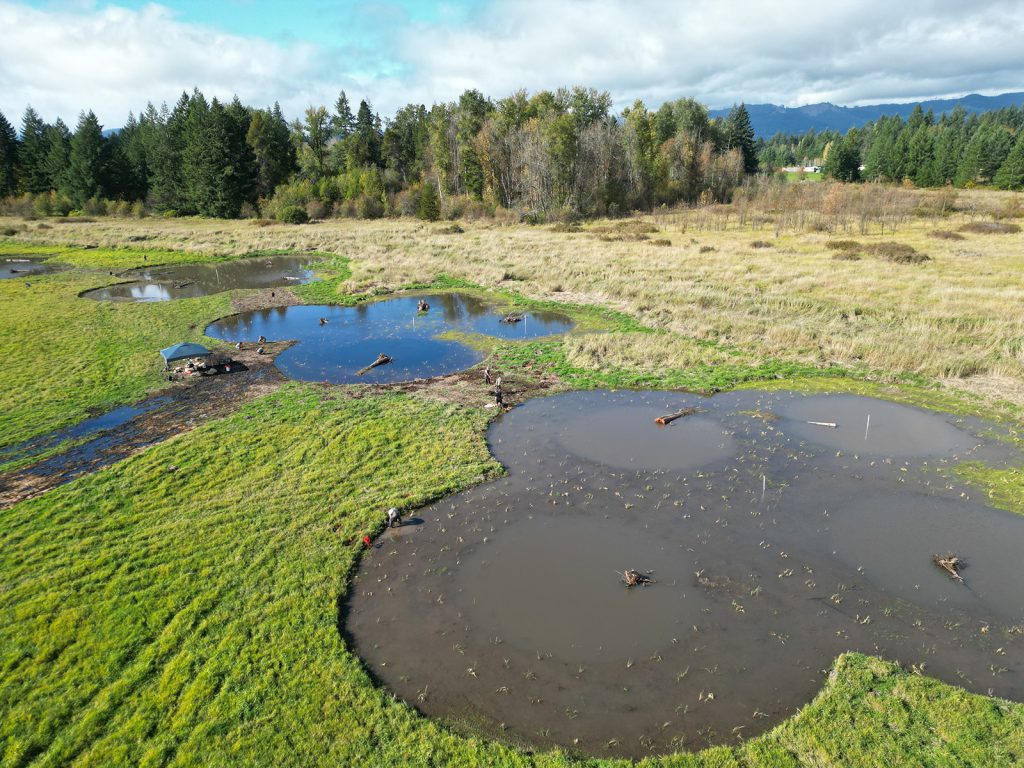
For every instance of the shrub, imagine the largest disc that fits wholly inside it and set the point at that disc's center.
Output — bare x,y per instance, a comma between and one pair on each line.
95,206
899,253
762,244
707,249
843,245
317,209
846,256
170,213
945,234
451,229
369,207
661,241
428,207
8,231
139,209
293,214
991,228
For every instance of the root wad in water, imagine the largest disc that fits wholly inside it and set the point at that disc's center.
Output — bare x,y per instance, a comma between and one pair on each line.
951,564
633,578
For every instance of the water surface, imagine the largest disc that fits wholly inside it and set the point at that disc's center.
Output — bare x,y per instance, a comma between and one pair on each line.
352,337
186,281
504,608
26,266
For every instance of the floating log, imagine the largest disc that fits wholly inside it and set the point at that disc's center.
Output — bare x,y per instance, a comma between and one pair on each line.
633,578
831,424
382,359
951,564
512,317
673,416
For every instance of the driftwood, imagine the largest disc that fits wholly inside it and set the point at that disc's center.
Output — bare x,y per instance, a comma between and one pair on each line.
512,317
951,564
673,416
823,424
632,578
382,359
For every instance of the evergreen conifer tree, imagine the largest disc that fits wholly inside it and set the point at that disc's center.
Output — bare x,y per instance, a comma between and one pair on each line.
32,153
739,134
86,159
1011,172
8,157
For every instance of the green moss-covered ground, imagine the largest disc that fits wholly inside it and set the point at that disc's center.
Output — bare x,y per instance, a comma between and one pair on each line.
157,616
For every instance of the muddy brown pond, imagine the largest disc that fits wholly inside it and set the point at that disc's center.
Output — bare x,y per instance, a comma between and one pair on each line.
774,544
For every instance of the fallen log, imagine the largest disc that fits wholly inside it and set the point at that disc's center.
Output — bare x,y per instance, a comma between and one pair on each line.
673,416
823,424
951,564
382,359
633,578
512,317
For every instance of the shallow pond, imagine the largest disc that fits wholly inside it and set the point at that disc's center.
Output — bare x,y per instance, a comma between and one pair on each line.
26,266
502,607
186,281
352,337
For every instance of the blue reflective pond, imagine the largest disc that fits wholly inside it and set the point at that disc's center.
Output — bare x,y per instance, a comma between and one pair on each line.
353,336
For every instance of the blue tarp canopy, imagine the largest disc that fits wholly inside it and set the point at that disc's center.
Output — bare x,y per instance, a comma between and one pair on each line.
183,350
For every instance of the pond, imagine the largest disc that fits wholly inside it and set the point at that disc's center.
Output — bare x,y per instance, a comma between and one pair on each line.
26,266
774,544
186,281
352,337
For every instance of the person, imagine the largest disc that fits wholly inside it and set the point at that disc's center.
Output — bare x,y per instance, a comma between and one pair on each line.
238,346
367,542
499,396
394,518
262,339
487,376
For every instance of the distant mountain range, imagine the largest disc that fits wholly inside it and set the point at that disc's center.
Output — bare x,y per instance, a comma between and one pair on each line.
769,119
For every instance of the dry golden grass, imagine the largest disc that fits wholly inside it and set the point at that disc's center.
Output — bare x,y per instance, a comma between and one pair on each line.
956,317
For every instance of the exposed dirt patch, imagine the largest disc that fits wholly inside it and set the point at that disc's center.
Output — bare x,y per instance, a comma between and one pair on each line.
268,298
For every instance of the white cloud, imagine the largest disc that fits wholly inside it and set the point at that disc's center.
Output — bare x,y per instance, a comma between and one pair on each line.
790,51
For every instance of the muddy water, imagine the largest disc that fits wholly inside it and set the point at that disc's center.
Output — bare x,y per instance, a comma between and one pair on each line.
503,612
188,281
26,266
354,336
87,428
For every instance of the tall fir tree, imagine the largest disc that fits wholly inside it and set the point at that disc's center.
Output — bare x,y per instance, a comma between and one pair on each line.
32,153
1011,173
86,160
342,121
363,144
273,152
8,157
739,134
58,159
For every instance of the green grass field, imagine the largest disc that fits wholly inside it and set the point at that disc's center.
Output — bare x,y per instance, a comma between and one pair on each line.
189,617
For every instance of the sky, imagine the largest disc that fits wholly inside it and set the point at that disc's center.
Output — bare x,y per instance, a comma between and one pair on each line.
63,56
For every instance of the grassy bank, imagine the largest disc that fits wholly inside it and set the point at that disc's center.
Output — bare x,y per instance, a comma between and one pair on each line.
180,607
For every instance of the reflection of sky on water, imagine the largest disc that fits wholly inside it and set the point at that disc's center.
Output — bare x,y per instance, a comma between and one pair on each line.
354,336
187,281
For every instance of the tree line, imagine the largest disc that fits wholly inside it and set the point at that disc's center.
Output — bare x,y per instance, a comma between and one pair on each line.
955,148
547,155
